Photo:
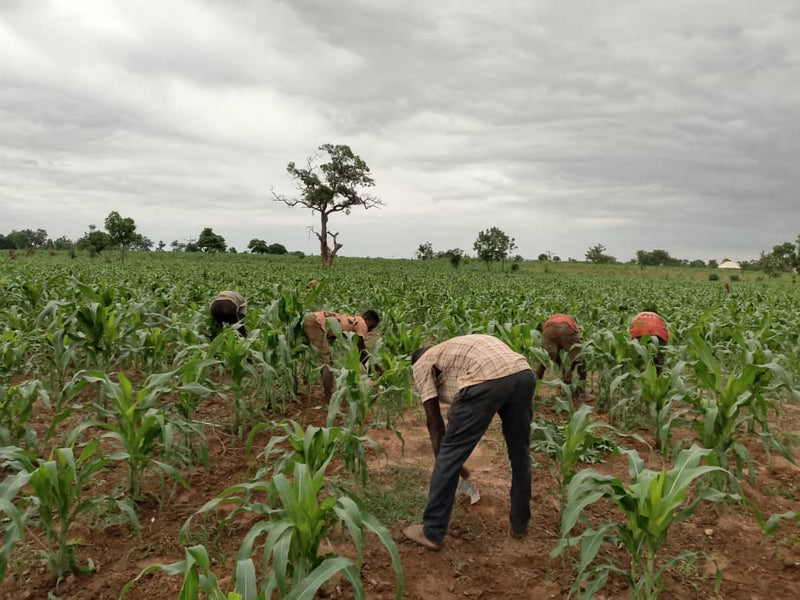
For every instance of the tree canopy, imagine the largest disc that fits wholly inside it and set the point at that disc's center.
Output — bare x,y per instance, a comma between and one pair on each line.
656,258
325,188
493,245
208,241
425,251
596,254
257,246
94,240
122,233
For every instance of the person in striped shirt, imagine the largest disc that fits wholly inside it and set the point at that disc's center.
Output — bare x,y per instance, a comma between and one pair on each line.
560,334
478,376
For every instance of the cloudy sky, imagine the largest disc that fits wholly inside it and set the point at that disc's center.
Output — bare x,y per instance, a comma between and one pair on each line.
631,123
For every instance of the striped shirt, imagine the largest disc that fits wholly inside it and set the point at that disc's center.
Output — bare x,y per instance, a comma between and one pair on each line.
462,362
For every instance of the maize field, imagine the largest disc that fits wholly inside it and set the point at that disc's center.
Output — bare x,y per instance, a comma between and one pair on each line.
143,457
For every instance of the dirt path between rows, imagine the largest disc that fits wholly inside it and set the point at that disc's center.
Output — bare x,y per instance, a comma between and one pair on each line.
479,560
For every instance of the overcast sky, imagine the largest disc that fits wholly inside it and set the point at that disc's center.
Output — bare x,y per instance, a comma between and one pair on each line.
631,123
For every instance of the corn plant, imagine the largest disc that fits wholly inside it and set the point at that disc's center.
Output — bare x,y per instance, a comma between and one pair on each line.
234,353
139,429
522,338
60,358
97,330
651,503
15,514
189,383
199,579
14,353
394,388
59,486
150,346
571,444
608,353
726,405
278,365
314,447
660,393
16,407
350,405
298,515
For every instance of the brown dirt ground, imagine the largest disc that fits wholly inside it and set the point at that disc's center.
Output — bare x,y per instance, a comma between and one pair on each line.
479,559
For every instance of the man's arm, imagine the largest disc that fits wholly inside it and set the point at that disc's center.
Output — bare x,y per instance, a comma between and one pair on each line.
436,429
362,349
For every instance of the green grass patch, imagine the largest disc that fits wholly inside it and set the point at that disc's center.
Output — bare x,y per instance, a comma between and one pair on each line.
398,493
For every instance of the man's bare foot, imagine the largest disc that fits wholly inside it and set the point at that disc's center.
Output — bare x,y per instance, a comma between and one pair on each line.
415,534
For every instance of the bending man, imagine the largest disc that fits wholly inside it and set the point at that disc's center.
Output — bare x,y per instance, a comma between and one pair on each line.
317,332
478,376
560,333
649,322
229,307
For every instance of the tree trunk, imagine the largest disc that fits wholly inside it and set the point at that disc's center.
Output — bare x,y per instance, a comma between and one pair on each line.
324,251
327,254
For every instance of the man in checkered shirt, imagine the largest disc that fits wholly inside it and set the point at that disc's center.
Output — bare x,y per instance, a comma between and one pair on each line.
478,376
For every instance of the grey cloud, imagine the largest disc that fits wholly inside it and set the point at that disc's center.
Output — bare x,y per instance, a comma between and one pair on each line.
679,120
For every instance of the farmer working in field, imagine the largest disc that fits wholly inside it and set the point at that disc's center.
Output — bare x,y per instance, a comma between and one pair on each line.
648,322
478,376
561,333
317,331
229,307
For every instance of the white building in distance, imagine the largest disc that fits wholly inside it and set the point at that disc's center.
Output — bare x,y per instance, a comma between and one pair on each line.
730,264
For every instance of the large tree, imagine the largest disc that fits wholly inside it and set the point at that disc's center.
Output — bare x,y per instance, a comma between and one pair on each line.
425,251
337,185
257,246
28,238
121,230
210,241
94,240
493,244
596,254
656,258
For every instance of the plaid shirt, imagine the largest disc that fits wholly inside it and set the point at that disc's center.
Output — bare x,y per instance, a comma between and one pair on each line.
464,361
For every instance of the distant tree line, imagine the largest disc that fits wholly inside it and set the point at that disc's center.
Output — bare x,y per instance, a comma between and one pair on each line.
119,233
491,245
784,258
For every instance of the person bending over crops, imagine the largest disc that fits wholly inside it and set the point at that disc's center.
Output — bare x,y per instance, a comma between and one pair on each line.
318,334
478,376
229,307
561,333
649,322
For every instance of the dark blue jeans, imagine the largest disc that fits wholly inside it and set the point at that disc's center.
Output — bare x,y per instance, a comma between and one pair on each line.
510,397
